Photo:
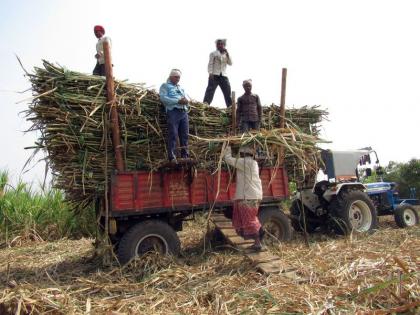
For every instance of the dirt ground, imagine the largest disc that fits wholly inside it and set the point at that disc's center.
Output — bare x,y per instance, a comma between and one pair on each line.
358,274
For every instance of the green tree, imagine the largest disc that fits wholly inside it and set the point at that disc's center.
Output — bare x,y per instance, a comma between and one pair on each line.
406,175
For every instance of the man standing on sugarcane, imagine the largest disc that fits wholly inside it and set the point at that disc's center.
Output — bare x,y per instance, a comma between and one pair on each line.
248,195
176,105
100,57
249,110
219,59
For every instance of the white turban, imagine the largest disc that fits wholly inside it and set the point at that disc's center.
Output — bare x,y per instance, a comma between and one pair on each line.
247,149
175,73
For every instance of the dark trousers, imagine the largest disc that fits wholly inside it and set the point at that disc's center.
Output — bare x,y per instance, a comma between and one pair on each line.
214,82
177,127
99,69
248,125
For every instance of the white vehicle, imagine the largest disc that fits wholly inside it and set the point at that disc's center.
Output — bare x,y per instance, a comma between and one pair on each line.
339,203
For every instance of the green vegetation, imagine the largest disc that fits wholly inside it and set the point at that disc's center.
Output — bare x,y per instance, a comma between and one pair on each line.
33,214
372,178
406,175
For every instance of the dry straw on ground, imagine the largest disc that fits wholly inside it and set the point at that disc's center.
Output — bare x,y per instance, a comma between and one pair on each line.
70,112
346,275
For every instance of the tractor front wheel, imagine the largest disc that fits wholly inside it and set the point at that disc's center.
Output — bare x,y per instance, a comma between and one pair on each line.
405,216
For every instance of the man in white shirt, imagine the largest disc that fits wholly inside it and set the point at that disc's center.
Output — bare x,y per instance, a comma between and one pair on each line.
100,57
219,59
248,195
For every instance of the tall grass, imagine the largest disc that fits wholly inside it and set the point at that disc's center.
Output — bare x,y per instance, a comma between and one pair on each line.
37,213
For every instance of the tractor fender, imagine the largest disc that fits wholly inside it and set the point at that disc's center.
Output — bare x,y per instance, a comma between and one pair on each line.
309,199
335,190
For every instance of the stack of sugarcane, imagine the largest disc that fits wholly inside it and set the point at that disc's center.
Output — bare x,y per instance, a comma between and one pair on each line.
71,112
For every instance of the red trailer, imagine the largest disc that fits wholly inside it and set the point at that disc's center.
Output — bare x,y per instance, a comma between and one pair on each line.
147,208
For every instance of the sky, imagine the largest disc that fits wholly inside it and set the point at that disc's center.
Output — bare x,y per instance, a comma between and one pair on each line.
358,59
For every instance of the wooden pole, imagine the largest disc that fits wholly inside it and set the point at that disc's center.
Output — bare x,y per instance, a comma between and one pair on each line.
283,109
283,98
233,113
115,128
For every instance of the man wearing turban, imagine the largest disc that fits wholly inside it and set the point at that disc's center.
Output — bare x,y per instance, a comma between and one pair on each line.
219,59
173,96
248,195
100,58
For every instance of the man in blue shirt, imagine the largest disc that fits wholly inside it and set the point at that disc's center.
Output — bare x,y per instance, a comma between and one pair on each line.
176,105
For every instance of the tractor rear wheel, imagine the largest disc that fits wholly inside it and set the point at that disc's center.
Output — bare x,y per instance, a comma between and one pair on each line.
148,236
353,211
406,215
275,224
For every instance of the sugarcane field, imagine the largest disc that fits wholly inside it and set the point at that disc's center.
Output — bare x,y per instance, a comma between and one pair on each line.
149,166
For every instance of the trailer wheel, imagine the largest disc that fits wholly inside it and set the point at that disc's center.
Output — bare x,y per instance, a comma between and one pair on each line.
148,236
353,211
297,219
405,216
275,224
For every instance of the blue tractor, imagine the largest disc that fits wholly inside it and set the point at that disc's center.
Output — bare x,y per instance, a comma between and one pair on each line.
386,200
384,195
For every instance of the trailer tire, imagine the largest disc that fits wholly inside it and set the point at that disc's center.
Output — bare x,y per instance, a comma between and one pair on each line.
147,236
298,224
353,210
275,224
406,216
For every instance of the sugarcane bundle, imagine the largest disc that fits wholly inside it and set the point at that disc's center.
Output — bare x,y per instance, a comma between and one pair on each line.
71,113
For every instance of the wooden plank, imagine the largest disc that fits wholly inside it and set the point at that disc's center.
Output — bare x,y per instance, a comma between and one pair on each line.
262,257
224,225
265,261
237,240
217,216
221,220
244,246
267,268
228,232
275,265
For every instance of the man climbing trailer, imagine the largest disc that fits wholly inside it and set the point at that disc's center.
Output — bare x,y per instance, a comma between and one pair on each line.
248,195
